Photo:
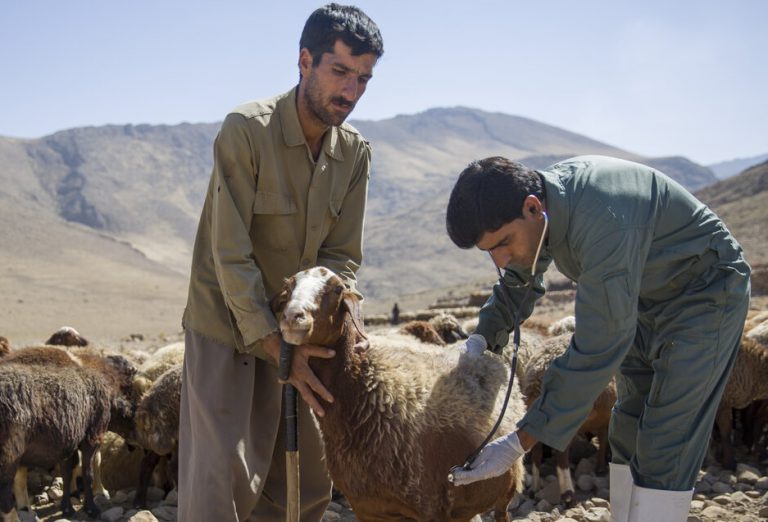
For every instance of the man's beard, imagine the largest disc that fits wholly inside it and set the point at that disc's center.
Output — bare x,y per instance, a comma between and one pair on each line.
314,103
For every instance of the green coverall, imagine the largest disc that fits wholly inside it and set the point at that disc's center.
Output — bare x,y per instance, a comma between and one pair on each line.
662,295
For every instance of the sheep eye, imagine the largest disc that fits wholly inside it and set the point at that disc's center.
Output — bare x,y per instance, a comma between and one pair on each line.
339,289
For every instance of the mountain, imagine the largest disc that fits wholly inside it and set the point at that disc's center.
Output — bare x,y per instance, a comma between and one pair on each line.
742,202
726,169
129,197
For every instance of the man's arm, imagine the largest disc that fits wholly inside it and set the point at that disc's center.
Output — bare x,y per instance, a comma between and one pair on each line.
239,277
496,318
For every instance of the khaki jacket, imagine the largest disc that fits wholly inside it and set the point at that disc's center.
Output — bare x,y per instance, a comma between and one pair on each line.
271,211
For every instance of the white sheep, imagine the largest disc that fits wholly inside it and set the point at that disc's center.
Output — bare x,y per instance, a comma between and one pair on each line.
405,412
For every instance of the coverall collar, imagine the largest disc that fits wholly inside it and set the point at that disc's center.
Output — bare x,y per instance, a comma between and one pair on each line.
293,133
557,208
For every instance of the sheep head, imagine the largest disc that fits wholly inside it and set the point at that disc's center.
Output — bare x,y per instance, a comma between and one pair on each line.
312,307
67,336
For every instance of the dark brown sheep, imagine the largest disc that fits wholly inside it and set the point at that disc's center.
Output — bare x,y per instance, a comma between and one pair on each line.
404,413
423,331
52,406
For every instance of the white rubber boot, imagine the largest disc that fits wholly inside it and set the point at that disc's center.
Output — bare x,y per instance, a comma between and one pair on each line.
658,505
620,487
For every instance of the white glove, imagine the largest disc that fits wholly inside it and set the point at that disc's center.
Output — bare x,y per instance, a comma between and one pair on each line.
475,345
495,459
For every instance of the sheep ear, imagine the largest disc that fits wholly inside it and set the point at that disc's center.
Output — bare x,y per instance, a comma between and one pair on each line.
354,306
277,304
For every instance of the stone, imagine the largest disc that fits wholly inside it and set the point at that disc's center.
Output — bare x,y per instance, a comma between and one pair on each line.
716,512
598,515
747,476
543,505
762,483
585,482
585,466
723,500
165,513
721,487
600,502
172,498
155,494
697,505
112,514
143,516
763,513
703,487
119,497
550,493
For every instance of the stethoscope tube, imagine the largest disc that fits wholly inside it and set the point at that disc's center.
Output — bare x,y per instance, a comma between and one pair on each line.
516,341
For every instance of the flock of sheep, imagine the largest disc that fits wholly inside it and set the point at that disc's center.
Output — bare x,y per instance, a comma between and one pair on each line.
410,404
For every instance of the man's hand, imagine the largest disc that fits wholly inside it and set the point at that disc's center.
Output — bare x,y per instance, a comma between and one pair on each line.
474,346
495,459
302,376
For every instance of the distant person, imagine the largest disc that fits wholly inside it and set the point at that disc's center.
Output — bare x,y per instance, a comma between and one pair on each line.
662,294
395,314
287,192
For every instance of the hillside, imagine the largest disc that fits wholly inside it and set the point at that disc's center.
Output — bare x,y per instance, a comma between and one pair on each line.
742,202
131,195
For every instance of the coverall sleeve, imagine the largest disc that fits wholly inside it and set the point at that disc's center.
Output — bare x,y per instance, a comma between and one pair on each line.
342,249
496,320
606,321
239,277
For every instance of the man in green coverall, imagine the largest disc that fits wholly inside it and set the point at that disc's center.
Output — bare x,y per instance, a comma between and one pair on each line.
662,295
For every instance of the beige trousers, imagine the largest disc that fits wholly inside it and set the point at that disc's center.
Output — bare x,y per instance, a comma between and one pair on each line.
231,443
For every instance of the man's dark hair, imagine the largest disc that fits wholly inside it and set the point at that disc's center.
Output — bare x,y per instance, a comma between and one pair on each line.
489,194
345,22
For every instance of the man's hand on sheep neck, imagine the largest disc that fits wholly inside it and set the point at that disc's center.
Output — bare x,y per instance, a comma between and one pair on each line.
302,376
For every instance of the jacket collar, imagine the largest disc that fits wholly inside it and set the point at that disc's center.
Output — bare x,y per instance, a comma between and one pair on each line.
557,208
293,134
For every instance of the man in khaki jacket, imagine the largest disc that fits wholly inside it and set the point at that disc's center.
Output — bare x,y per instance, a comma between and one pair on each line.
287,192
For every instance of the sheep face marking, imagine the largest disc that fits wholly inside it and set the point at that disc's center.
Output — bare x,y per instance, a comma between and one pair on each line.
310,307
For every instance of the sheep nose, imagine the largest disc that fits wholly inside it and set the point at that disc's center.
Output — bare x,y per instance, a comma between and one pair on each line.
295,315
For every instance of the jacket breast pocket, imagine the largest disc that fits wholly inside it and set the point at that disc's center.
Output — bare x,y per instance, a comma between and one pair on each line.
274,222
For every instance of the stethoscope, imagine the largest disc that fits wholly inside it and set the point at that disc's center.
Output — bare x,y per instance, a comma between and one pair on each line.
516,341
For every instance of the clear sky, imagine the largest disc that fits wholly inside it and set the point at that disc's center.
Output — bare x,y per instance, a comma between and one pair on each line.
657,77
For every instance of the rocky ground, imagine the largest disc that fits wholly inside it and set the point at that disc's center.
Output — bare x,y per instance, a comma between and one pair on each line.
721,495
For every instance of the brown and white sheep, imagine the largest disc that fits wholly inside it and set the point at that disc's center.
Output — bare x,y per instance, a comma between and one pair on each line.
747,383
404,412
50,408
532,371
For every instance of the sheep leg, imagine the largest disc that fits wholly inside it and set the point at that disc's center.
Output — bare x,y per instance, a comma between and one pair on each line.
723,421
98,485
20,489
7,509
537,455
148,463
66,501
602,450
564,477
89,452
